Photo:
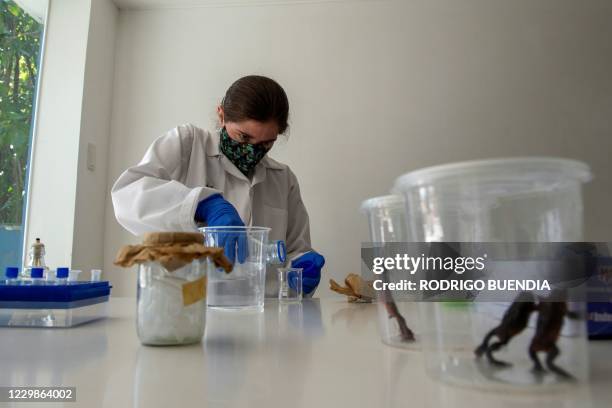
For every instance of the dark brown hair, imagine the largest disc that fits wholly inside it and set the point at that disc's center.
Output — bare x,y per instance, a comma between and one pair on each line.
258,98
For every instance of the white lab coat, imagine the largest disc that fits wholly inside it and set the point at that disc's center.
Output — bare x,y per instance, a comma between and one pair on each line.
184,166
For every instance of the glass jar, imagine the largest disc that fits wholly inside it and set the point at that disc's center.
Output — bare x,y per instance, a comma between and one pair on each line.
171,305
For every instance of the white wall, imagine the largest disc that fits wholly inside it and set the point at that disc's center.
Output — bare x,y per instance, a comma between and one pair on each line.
377,88
89,225
67,201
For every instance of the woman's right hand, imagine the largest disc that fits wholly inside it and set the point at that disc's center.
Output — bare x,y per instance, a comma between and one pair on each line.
215,211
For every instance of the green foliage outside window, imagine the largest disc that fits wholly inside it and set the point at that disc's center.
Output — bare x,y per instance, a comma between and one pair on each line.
20,37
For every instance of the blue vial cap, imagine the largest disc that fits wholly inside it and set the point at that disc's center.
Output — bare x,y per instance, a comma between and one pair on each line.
62,273
37,273
12,272
282,251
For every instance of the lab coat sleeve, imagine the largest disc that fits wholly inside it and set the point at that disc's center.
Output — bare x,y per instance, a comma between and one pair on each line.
298,225
150,197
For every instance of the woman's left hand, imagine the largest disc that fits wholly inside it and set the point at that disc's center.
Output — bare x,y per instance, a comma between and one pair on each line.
311,264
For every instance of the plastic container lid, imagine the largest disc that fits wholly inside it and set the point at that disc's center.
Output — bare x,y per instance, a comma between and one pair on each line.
542,169
52,293
12,272
388,201
37,273
62,273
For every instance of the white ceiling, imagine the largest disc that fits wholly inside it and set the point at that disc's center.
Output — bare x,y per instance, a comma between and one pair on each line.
154,4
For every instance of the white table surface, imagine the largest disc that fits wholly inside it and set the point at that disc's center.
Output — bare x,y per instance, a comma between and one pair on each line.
322,353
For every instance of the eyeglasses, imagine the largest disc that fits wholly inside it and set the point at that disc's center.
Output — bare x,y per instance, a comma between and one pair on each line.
244,138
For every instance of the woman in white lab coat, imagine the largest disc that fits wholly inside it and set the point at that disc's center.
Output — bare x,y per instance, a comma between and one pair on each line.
191,177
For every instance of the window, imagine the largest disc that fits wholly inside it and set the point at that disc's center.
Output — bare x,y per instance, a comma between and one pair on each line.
20,44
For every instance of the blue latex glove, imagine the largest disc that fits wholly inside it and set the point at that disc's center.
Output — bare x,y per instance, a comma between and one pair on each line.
216,211
311,264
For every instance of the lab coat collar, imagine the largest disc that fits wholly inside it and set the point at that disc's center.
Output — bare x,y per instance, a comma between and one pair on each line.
212,147
270,163
259,175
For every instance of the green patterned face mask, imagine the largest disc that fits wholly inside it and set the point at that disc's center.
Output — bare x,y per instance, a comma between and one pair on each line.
245,156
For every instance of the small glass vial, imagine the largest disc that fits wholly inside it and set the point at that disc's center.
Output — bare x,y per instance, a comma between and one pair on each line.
37,254
171,305
37,276
73,275
96,275
11,275
61,275
36,260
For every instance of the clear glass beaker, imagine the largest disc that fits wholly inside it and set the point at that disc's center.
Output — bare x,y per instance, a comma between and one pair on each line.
505,201
387,223
244,287
171,308
290,284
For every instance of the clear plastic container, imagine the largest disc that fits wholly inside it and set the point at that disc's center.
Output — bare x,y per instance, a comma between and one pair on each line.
244,287
65,315
387,223
505,200
26,304
171,306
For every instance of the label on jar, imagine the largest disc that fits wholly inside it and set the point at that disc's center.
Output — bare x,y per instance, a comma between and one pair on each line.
194,291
